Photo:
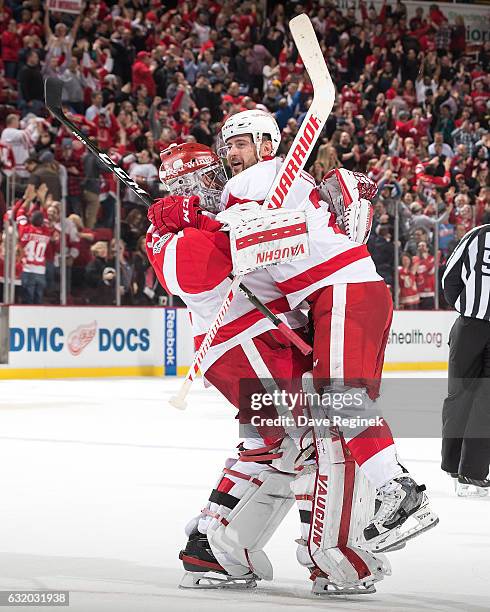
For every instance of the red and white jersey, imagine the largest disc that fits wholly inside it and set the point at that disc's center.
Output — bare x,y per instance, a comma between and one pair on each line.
194,264
34,241
409,293
425,276
333,259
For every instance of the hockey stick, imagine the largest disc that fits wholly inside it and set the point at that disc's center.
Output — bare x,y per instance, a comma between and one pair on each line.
53,89
323,100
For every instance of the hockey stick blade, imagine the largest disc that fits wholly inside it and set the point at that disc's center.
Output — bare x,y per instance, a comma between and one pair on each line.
323,100
53,89
306,42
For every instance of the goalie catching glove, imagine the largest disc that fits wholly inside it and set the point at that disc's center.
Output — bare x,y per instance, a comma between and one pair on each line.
349,196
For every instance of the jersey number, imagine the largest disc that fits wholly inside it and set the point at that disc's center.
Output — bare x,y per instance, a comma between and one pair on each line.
486,261
34,251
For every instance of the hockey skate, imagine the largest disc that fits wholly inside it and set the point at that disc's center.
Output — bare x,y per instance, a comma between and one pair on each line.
398,501
204,572
471,487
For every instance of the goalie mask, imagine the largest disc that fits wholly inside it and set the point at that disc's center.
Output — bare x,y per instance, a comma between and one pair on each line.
256,123
193,169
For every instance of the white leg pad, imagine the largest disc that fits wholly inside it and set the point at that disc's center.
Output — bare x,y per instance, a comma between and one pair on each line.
250,525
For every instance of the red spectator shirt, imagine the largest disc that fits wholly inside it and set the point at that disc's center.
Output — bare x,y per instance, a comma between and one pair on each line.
11,45
425,276
142,75
409,294
107,130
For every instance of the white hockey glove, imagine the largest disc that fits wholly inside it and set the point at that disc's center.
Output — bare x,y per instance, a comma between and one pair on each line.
349,196
260,238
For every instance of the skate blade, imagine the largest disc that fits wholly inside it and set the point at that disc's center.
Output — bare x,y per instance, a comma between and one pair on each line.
213,580
390,542
327,589
465,490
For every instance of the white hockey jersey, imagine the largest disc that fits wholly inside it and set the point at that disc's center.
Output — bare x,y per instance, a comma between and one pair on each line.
334,258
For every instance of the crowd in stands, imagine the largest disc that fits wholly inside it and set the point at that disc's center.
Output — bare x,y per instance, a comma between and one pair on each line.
412,110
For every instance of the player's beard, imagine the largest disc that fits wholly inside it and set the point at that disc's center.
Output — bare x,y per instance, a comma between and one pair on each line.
239,164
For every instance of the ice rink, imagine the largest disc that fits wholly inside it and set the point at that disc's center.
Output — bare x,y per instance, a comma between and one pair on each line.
100,476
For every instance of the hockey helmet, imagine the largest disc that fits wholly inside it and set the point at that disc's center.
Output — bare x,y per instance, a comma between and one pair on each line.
193,169
254,122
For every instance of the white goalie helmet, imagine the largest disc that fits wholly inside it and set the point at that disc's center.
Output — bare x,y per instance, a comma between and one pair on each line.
193,169
254,122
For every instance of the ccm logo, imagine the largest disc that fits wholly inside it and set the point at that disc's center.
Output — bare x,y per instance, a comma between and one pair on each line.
299,155
185,210
280,254
319,517
121,173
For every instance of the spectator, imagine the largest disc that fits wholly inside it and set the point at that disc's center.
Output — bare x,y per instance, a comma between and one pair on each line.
73,86
425,276
11,45
73,164
133,227
100,276
445,148
125,288
143,171
347,153
86,238
96,107
34,238
383,253
409,295
17,143
31,85
92,169
142,73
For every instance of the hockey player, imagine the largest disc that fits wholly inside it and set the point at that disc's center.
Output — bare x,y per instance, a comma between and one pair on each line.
350,306
191,258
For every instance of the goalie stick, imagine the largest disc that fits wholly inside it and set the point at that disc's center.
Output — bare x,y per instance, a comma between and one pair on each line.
311,54
53,89
323,100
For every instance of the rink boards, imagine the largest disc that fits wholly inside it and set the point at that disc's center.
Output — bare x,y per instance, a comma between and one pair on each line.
73,342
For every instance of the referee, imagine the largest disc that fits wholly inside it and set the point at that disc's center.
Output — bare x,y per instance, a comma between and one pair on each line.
466,412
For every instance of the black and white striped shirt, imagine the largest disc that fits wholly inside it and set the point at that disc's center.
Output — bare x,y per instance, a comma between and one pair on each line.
466,281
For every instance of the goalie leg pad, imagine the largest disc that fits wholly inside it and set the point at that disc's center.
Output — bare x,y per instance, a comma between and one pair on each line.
247,506
250,525
343,500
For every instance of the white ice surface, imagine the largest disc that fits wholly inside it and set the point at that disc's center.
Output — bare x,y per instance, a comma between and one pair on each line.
99,477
